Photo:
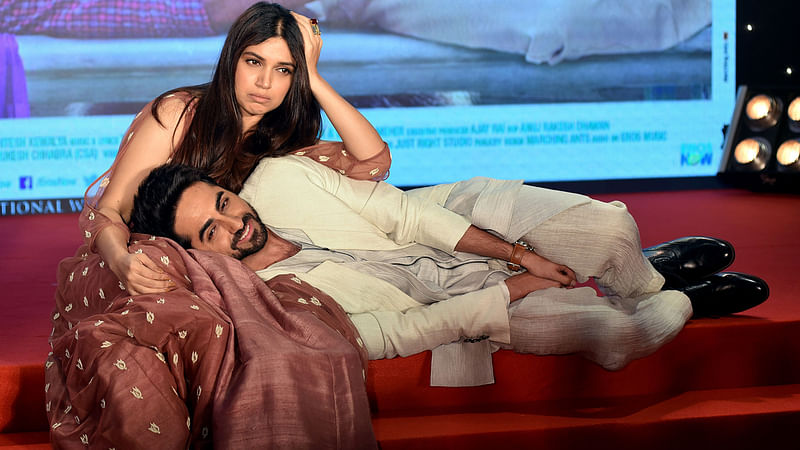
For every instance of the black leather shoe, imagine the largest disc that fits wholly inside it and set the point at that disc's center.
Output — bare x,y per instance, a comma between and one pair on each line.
689,259
726,293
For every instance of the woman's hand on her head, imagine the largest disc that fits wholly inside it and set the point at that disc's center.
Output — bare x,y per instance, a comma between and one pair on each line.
359,136
311,42
140,275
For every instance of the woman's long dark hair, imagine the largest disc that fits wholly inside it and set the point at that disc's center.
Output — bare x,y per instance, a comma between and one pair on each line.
213,141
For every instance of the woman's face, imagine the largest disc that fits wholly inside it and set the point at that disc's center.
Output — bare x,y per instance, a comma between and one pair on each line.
264,74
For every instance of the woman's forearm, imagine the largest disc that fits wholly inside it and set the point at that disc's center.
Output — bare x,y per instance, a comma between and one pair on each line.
358,135
111,242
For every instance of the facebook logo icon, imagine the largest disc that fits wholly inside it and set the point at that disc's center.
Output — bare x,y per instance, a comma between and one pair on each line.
26,182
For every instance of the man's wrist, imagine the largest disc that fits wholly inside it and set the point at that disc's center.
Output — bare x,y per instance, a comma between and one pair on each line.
518,253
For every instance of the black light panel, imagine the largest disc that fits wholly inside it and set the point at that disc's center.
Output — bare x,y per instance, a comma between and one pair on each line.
762,143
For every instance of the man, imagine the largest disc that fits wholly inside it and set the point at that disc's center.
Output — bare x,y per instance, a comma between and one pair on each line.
414,276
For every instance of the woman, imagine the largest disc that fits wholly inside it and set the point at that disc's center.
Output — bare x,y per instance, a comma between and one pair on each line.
263,101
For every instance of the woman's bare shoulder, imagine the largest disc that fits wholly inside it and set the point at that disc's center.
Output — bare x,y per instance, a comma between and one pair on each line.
172,107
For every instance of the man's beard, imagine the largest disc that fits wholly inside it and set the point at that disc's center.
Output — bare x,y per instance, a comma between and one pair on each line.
258,238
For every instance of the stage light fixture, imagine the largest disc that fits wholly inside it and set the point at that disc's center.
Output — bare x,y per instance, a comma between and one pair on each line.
762,142
793,112
752,154
763,112
788,155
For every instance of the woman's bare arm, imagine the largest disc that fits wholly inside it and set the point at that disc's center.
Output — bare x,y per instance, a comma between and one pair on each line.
148,146
358,135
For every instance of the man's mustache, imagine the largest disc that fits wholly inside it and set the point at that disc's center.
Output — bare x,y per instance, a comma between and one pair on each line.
238,235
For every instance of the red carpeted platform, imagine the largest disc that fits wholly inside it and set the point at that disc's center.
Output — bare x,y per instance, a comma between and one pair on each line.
731,382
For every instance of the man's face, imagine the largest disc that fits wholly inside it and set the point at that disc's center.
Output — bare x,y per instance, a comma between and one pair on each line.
213,218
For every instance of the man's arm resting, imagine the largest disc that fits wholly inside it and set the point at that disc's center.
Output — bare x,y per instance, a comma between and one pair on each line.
482,243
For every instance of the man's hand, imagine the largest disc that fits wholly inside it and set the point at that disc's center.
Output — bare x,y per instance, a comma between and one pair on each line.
544,268
524,283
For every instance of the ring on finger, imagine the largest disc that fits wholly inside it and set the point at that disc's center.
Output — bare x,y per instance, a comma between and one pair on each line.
315,27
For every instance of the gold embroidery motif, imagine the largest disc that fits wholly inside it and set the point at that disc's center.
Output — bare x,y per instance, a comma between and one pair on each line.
136,393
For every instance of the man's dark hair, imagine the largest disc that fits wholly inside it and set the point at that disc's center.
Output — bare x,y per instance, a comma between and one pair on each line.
156,200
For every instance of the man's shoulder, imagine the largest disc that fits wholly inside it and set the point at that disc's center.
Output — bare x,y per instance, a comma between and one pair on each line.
284,173
290,164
